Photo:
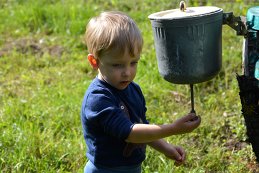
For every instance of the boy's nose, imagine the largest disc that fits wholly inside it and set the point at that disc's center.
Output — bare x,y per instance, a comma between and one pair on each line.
126,72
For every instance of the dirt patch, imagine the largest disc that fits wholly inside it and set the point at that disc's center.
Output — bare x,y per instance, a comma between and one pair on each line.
178,97
31,46
233,144
253,167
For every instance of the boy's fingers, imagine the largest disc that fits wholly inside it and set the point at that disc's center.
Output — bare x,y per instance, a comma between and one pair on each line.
188,117
178,156
191,117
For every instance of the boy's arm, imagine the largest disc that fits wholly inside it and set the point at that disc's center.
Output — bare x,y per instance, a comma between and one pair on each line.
145,133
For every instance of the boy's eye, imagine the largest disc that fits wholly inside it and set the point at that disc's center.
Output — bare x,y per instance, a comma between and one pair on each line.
134,63
116,65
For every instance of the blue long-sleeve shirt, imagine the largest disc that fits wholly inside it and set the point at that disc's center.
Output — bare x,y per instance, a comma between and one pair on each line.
108,115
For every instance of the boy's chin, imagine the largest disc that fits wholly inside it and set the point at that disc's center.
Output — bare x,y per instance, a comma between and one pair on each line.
122,85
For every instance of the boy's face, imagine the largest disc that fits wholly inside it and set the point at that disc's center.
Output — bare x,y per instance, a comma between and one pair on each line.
118,71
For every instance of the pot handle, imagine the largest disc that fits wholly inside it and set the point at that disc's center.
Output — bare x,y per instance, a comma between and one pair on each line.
236,23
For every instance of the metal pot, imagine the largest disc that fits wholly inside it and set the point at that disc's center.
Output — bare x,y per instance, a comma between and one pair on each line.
188,43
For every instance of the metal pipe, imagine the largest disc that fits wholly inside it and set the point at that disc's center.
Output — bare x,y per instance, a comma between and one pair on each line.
192,99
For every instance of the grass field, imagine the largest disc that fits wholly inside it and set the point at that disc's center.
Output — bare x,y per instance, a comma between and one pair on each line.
44,74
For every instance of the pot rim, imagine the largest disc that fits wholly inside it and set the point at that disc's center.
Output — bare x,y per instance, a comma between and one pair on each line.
160,15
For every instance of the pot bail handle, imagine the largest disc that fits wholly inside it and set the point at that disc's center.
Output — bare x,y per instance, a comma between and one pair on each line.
182,6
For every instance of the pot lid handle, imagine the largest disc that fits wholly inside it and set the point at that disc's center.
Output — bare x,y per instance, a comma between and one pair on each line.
182,6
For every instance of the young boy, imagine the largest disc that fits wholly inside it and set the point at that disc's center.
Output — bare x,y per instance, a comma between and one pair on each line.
113,117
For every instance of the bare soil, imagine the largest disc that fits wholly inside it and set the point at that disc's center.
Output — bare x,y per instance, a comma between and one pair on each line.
31,46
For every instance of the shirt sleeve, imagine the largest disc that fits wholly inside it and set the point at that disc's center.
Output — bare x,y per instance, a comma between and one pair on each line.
103,109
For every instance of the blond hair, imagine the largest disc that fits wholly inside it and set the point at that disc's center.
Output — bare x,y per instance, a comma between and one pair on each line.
113,31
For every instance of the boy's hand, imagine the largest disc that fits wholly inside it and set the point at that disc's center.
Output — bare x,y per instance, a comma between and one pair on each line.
187,123
178,154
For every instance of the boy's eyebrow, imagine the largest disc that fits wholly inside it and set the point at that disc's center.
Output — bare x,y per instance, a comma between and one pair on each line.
135,58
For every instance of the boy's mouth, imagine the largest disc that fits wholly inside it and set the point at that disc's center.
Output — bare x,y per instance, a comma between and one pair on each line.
125,82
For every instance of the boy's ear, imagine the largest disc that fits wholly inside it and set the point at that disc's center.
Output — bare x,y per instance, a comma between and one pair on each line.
93,61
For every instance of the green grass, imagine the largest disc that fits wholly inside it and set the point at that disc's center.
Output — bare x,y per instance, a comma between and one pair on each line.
44,74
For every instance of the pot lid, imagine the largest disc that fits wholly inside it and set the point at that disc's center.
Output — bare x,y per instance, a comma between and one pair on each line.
188,13
253,18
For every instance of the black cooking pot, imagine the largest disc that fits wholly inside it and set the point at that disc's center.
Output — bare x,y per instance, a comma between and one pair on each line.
188,43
